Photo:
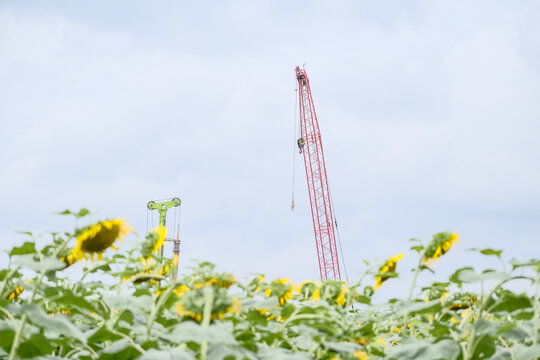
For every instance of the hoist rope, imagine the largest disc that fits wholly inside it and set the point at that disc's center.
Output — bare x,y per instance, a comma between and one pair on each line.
179,212
339,237
294,150
175,217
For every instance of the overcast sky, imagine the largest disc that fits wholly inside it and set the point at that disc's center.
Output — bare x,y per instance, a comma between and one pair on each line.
429,113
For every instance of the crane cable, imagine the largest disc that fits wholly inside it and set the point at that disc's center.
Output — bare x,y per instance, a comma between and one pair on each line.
147,210
330,193
294,150
339,237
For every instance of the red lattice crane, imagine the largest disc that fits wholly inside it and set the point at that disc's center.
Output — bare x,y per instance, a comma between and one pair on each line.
310,145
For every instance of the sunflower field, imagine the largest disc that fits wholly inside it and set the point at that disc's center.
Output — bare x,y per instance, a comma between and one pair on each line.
126,304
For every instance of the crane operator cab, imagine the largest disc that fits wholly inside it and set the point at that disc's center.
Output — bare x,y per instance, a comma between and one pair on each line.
301,142
302,78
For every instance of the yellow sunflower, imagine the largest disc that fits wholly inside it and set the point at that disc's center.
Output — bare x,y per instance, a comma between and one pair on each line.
181,289
161,232
225,281
282,289
15,293
361,355
439,246
257,282
154,242
307,289
66,312
388,267
97,238
190,305
342,296
70,259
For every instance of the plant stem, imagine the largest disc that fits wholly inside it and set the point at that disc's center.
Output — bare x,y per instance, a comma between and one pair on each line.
536,311
413,284
85,274
120,281
18,334
472,343
7,313
132,343
8,276
415,277
364,274
207,315
156,307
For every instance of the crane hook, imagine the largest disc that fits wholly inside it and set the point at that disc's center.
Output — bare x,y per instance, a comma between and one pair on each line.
301,142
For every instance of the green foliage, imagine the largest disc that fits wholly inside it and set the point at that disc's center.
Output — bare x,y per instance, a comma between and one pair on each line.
125,308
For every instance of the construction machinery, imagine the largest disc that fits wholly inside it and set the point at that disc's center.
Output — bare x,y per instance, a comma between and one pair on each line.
162,207
310,145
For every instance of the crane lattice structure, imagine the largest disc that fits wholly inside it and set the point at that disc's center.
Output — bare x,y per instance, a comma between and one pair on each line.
162,208
310,145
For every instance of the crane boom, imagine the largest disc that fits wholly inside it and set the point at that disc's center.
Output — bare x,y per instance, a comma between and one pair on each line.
319,194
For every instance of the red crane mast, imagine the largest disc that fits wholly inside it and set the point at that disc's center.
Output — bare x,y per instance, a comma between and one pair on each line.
310,145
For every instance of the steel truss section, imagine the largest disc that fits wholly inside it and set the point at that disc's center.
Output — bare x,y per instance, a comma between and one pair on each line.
319,193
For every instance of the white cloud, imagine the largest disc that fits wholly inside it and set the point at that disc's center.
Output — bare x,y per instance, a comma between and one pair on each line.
427,125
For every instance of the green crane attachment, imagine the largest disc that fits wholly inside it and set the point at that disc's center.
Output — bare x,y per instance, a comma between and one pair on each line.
162,208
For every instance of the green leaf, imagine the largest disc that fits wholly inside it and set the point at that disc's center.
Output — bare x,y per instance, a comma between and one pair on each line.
29,247
506,327
125,302
103,267
366,329
522,352
439,329
468,275
119,350
168,354
7,333
455,276
531,263
69,299
30,262
34,346
517,333
100,335
281,354
221,352
267,303
425,267
287,310
346,348
141,292
485,348
501,354
488,252
191,331
362,299
58,324
419,307
81,213
484,327
511,302
253,316
307,338
424,349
